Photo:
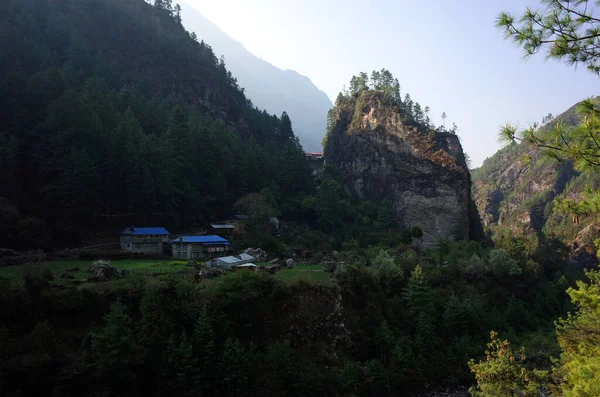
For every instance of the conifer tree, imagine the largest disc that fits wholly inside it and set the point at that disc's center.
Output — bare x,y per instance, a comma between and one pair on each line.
503,373
417,293
579,339
234,369
203,343
114,346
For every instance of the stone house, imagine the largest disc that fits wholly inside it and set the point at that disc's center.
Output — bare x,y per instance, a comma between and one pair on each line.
199,247
143,239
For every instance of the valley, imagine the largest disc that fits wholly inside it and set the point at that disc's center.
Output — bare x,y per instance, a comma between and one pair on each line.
182,219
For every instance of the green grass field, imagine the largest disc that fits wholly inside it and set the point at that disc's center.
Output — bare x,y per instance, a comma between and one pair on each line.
310,273
140,266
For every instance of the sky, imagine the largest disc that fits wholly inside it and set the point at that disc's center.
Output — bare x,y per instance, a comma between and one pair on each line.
447,54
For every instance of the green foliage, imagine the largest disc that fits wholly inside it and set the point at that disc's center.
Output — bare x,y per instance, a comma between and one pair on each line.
579,339
502,264
416,232
503,374
115,131
366,330
417,294
114,346
568,30
386,218
386,268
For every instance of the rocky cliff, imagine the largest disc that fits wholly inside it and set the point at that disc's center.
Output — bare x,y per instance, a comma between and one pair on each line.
516,189
379,154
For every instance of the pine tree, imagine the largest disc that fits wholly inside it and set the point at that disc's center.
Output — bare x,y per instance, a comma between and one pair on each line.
417,294
285,128
203,343
234,369
408,106
579,340
114,346
177,13
418,112
427,118
503,373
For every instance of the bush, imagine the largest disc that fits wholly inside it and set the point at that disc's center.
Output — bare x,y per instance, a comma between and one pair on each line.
35,279
271,244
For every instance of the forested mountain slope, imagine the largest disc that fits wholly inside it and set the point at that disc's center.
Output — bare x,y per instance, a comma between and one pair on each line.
516,188
269,87
111,112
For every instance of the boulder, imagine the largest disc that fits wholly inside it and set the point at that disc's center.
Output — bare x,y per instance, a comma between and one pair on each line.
329,266
289,263
67,276
101,270
258,253
211,273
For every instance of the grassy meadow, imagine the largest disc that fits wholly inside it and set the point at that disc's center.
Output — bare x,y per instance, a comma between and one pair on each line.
14,274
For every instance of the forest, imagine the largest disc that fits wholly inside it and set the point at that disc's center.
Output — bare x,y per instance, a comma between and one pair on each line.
90,135
112,111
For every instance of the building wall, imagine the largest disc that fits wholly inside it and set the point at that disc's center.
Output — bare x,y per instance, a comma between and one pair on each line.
238,224
197,250
147,244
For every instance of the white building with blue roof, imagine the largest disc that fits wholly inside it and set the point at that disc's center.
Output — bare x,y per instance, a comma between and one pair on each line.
199,247
144,239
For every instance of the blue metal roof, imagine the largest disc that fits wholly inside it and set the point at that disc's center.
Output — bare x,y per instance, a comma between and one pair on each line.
208,240
143,231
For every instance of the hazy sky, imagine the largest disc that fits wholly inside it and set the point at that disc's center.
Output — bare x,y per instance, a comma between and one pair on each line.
446,54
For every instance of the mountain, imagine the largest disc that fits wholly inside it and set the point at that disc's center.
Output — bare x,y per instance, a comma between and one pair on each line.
267,86
382,150
113,114
516,189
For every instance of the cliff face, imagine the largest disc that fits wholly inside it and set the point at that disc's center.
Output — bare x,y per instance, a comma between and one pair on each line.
516,188
378,156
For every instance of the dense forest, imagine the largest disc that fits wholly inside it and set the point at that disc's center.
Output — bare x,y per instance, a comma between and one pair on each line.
132,120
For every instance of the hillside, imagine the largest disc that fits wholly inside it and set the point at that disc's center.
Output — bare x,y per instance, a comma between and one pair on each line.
382,149
516,188
114,114
267,86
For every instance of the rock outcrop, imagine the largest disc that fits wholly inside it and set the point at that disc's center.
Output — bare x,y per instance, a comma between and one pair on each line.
378,155
516,188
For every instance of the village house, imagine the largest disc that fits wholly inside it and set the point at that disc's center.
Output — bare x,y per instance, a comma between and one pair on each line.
144,239
313,156
199,247
222,230
238,222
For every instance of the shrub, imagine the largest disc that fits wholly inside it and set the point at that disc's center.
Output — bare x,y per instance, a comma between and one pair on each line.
35,279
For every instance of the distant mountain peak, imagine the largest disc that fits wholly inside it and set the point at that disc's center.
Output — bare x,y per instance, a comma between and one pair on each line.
269,87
